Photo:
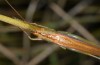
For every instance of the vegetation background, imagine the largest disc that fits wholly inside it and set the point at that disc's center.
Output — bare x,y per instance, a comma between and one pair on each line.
81,17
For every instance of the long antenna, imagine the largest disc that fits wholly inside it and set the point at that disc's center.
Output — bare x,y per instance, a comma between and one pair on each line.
19,16
14,10
22,19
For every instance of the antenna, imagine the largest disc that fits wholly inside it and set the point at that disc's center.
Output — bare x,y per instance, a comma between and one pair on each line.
14,10
22,19
19,16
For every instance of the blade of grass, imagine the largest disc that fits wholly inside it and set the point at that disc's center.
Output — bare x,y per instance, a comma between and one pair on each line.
56,37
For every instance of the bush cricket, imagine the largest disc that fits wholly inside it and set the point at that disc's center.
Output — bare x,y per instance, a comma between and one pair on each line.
66,40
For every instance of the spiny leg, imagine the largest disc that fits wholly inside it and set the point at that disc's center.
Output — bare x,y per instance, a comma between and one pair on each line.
30,36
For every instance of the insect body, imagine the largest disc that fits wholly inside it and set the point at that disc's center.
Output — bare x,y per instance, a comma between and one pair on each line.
71,43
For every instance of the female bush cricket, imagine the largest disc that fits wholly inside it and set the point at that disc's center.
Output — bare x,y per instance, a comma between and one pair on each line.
67,40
